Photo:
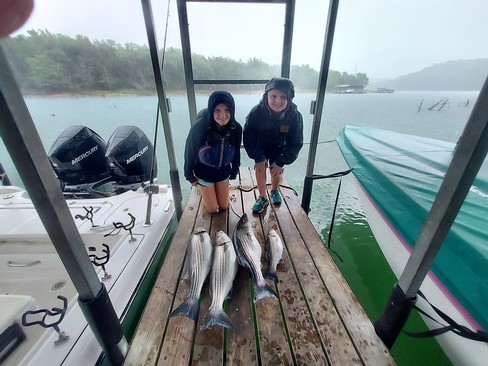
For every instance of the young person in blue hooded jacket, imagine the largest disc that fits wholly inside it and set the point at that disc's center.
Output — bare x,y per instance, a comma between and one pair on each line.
212,151
273,137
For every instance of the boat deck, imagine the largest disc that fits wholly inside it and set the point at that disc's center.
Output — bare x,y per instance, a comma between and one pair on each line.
317,319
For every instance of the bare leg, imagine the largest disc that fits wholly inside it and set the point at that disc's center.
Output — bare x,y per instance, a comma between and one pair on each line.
260,170
209,197
222,191
275,180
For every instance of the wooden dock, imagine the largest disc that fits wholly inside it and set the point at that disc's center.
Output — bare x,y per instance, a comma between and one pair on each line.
316,321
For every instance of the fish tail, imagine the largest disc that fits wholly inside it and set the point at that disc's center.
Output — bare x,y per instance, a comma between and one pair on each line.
271,276
229,294
216,317
263,291
190,308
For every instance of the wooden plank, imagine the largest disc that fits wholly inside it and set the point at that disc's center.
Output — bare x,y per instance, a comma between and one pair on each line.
241,344
371,349
179,337
273,341
209,344
176,349
307,347
339,348
149,334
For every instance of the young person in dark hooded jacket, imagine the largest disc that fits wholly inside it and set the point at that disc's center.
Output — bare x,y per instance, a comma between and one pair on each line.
273,137
212,151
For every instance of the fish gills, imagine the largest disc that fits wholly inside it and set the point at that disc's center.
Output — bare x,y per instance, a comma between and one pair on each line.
274,253
224,269
199,261
248,252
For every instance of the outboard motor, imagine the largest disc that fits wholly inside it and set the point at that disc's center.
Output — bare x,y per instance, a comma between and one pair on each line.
78,157
130,153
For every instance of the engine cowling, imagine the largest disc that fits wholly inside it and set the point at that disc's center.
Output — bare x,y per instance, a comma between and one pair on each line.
78,156
130,154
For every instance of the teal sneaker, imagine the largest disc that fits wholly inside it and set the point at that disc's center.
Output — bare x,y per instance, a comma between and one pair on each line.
275,197
260,205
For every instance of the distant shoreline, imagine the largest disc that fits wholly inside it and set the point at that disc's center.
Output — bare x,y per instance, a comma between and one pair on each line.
259,90
100,93
138,93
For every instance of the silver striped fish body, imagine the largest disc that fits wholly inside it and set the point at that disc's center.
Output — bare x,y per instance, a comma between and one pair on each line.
199,261
224,269
274,253
248,252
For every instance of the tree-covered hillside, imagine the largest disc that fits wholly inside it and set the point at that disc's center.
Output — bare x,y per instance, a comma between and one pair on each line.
451,75
47,63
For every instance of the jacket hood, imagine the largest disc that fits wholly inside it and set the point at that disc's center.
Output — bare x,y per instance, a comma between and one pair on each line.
218,97
282,84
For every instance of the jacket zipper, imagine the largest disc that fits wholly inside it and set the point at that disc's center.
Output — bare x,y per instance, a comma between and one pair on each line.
221,152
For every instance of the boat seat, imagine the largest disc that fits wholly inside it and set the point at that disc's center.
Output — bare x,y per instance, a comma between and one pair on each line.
13,306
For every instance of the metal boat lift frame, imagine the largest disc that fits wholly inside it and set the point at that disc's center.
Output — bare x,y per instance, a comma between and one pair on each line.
17,128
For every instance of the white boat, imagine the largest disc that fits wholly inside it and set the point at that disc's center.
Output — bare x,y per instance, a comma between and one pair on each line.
41,322
398,177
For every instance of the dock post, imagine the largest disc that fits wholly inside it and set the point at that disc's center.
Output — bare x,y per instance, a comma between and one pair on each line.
397,311
105,326
163,107
319,103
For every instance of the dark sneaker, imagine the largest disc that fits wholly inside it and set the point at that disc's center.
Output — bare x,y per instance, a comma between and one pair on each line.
275,197
260,205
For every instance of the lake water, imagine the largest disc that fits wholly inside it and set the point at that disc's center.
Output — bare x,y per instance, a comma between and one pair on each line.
362,263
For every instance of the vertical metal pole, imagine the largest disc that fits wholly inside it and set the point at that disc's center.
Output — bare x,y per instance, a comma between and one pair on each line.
27,152
186,51
468,157
4,179
318,105
173,169
287,39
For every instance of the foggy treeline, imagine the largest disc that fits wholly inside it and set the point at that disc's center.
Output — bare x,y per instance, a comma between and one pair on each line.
47,63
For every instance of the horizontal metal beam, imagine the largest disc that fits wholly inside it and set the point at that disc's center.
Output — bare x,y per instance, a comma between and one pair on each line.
240,1
230,81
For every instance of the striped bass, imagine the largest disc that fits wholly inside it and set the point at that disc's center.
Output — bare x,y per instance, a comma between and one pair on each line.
224,269
274,253
248,252
198,263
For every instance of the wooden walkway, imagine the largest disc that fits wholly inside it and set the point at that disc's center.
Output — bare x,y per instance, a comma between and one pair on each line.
316,321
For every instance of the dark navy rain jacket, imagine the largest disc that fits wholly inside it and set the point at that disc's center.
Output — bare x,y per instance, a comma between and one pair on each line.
213,153
267,137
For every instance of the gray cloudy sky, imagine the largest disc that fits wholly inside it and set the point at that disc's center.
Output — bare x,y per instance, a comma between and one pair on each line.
383,38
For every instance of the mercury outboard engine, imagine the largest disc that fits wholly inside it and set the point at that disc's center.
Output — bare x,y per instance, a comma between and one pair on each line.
130,153
78,158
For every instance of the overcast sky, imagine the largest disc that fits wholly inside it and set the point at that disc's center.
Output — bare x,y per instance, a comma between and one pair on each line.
382,38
